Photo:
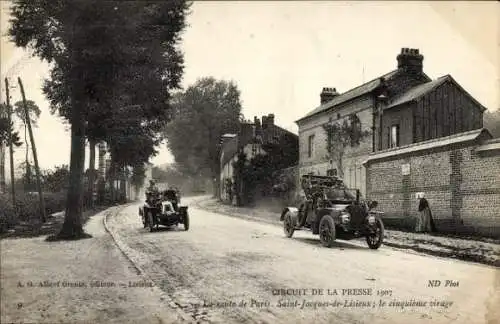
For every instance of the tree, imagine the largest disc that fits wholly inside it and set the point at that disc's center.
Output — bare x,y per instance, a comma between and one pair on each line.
202,114
34,113
57,180
340,135
492,122
6,131
138,177
101,51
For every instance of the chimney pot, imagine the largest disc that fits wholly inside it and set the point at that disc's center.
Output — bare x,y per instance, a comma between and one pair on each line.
410,60
327,94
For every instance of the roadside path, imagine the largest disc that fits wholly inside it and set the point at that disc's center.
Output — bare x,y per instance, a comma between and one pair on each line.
78,264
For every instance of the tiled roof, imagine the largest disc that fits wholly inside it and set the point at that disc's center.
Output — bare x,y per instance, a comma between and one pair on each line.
351,94
430,144
418,91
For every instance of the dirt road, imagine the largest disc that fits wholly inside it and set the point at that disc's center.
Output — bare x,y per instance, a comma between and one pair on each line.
230,270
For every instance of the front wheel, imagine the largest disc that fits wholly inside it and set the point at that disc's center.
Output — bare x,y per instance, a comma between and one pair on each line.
327,231
288,225
374,240
186,221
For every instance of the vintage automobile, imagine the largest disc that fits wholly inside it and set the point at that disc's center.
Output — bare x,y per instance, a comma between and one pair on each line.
334,211
163,208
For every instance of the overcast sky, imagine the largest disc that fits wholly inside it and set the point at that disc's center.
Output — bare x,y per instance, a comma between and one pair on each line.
281,54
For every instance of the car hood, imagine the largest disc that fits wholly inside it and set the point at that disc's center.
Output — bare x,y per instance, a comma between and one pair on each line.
338,207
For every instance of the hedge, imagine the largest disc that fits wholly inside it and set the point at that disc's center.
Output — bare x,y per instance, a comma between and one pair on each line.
28,209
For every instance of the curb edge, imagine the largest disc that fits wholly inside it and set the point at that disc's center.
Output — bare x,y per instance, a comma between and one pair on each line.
129,254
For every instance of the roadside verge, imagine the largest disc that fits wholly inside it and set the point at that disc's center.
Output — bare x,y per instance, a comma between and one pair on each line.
134,258
460,249
82,281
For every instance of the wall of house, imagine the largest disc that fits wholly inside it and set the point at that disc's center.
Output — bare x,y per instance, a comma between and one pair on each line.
354,172
402,116
227,170
462,187
445,111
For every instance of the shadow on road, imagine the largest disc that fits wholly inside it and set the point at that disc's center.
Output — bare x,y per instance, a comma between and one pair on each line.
165,229
336,244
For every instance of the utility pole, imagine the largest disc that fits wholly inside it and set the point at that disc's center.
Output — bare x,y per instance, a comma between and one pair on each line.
35,157
11,145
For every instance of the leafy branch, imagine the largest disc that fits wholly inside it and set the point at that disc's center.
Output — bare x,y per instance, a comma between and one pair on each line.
340,135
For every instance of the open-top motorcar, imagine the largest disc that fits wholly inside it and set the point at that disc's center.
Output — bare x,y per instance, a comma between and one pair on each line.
163,208
333,211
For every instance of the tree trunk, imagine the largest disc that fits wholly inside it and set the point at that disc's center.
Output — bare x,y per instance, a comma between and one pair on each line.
92,172
340,166
27,185
72,227
2,168
35,157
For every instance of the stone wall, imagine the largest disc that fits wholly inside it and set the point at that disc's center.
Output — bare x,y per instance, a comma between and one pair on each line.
461,184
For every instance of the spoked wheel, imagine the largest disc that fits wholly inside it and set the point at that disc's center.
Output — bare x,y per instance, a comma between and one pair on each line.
288,225
375,240
186,221
327,230
151,222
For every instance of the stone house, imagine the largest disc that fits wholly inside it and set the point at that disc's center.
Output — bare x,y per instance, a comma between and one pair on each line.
250,140
410,119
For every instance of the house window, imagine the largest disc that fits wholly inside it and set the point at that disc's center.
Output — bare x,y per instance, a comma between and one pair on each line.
394,136
310,146
331,172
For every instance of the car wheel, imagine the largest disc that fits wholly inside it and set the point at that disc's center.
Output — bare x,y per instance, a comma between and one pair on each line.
151,222
288,225
186,221
375,240
327,230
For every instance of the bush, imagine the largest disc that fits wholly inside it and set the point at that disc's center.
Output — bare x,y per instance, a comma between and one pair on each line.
28,210
7,215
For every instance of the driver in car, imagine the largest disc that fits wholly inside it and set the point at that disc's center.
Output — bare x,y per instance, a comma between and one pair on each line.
152,188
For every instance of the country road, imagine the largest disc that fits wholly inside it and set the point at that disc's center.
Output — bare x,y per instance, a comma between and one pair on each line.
228,270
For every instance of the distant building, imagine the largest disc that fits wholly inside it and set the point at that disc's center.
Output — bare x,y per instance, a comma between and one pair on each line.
426,136
250,140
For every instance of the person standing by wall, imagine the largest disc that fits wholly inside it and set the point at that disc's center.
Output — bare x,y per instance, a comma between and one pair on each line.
425,222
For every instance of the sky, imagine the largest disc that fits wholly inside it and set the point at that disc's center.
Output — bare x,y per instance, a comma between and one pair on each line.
281,54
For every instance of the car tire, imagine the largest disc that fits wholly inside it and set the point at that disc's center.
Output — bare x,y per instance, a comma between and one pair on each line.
375,241
288,225
327,233
186,221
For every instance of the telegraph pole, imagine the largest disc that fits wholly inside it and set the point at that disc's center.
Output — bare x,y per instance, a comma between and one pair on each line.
11,145
35,157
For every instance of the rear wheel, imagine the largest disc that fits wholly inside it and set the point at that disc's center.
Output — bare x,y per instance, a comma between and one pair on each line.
327,231
288,225
375,240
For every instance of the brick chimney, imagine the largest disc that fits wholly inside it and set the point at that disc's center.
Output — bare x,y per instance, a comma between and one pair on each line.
328,94
410,60
270,119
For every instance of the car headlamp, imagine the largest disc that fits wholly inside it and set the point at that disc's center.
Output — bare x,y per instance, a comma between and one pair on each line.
345,217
